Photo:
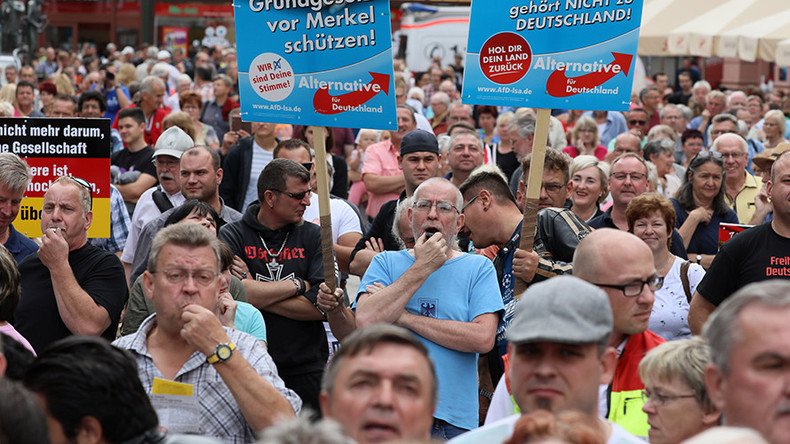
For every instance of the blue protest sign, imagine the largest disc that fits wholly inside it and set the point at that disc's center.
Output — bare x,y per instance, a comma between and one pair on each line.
569,54
316,62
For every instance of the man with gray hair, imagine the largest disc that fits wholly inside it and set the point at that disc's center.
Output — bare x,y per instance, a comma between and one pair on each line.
715,103
740,186
554,320
448,298
69,286
231,372
14,178
460,112
152,93
440,106
217,112
749,337
183,84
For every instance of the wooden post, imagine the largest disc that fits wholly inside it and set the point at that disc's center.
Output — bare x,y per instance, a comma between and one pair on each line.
533,184
327,247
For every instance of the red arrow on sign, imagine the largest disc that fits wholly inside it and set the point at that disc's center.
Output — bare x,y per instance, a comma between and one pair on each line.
325,103
557,84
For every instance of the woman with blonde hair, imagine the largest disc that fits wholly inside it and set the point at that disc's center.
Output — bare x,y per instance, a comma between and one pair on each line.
63,84
589,186
181,120
8,93
585,140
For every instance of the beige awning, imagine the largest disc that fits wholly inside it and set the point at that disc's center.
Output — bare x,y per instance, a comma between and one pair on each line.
756,39
661,17
783,53
699,35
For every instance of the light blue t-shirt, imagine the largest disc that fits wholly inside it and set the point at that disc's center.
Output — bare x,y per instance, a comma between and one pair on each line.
464,288
250,320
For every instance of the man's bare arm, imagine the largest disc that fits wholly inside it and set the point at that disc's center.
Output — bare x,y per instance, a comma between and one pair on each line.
259,401
132,191
387,305
473,337
699,311
378,184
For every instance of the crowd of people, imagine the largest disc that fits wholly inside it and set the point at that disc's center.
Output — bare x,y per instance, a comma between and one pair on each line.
206,316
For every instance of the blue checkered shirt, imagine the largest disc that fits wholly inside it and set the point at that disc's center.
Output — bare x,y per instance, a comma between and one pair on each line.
119,225
221,416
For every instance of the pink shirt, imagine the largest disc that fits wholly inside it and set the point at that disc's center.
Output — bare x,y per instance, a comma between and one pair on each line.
10,331
381,159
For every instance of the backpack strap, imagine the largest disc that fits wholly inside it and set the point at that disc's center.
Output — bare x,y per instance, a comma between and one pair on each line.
684,278
161,201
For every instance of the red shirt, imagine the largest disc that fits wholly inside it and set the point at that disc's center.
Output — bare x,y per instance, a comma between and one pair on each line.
153,125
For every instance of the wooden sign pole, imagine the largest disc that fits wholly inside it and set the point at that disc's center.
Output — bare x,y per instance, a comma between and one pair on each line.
327,246
534,183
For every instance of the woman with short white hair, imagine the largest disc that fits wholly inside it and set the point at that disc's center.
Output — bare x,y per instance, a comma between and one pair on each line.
774,124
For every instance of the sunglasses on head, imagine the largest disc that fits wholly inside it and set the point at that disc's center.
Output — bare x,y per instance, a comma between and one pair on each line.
84,183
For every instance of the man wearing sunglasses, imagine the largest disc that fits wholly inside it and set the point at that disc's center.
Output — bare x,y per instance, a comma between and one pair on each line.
628,276
448,298
284,258
69,286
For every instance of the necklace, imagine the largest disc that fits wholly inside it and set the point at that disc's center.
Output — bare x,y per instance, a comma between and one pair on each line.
273,263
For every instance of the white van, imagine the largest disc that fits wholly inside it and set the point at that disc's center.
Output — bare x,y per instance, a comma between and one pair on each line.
431,31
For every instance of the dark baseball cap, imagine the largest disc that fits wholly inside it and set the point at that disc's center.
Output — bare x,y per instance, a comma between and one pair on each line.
419,140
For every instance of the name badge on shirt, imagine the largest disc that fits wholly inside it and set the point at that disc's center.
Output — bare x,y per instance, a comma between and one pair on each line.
177,406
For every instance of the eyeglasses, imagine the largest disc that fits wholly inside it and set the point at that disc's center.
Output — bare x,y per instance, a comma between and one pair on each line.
635,177
635,289
84,183
469,203
425,205
551,187
180,276
308,166
659,399
295,196
637,122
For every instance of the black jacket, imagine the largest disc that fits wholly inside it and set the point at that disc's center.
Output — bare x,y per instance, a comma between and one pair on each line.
236,174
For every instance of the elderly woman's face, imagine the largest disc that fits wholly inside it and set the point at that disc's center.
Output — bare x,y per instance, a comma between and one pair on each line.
653,230
673,412
771,128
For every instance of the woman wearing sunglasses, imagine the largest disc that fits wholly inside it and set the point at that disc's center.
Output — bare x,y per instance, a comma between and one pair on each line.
700,207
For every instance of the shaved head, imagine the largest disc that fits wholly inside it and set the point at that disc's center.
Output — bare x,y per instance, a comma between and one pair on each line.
595,253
